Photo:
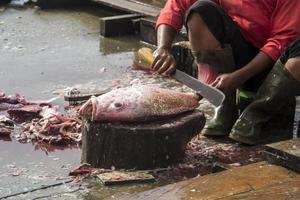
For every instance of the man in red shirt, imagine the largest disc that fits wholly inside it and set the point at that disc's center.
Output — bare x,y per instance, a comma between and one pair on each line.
236,44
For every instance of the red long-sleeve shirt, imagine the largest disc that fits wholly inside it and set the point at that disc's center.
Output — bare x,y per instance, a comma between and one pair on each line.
268,24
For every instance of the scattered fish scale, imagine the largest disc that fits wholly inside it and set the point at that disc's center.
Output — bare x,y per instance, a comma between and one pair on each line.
223,152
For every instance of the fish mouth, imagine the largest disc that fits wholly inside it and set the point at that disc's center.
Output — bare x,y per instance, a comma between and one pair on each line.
94,107
89,109
86,109
81,109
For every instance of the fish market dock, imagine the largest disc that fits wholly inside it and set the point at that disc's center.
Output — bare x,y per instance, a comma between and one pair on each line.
226,170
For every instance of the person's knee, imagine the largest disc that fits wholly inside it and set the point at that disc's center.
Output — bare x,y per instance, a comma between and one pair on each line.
200,36
197,8
293,66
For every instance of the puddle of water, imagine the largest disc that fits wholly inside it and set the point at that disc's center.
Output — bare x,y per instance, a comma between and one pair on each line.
25,166
41,50
14,153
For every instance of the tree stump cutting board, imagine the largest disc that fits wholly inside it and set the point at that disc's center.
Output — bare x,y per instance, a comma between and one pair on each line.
139,145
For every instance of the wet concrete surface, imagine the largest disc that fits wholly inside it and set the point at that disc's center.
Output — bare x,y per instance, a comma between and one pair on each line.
25,167
44,52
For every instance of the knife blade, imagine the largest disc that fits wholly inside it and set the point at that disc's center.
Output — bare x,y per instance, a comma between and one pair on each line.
213,95
143,59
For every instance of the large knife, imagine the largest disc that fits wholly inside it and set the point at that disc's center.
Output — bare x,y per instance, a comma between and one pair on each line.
143,59
213,95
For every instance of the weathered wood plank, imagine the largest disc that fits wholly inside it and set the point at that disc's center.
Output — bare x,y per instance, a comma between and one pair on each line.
119,25
148,32
131,7
47,4
226,184
285,153
287,190
4,2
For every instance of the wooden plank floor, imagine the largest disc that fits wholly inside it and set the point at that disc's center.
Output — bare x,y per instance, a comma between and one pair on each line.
285,153
256,181
131,7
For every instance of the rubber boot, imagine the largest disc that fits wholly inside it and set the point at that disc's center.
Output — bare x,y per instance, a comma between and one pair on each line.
220,61
224,118
272,96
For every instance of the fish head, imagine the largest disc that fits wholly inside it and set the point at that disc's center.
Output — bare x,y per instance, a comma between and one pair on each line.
108,108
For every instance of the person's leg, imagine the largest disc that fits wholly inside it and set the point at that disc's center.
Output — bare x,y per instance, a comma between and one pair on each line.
210,28
293,66
200,36
281,85
205,40
216,44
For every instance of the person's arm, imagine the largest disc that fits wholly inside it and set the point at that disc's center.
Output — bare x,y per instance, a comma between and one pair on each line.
164,61
232,81
168,24
285,28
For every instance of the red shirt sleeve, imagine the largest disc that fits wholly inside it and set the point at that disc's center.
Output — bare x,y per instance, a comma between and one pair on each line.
285,27
173,13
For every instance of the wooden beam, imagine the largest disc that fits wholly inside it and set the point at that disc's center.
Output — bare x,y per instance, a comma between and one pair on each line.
285,153
119,25
148,32
131,7
49,4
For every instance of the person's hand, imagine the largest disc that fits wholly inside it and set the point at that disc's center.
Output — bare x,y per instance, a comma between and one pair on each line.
228,82
164,62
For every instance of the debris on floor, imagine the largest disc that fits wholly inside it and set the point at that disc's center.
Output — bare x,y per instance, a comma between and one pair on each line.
38,121
57,129
124,177
6,125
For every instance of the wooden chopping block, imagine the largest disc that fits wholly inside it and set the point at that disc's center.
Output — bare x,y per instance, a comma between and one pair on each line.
140,145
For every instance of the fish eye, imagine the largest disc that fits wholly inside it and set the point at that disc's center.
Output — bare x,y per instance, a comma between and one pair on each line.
118,105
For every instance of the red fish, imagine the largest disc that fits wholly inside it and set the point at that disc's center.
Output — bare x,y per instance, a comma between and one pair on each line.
138,103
